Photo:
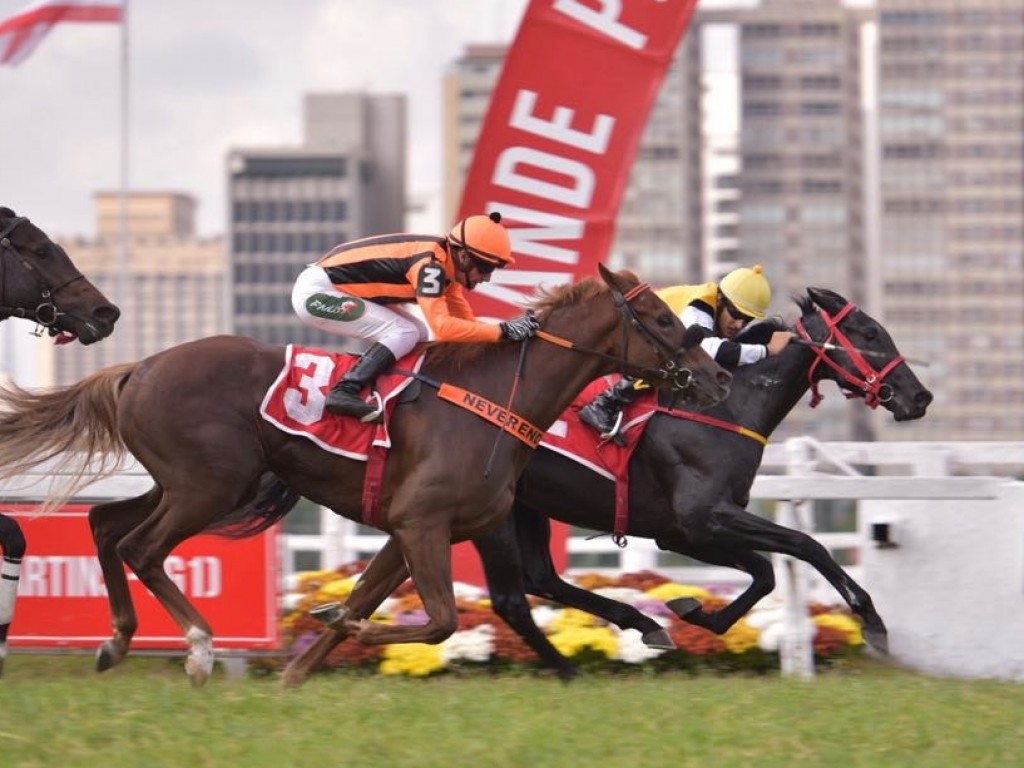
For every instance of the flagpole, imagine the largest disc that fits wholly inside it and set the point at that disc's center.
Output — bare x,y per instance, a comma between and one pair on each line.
123,268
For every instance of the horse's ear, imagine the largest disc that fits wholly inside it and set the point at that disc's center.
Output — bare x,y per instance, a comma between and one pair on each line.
828,300
613,279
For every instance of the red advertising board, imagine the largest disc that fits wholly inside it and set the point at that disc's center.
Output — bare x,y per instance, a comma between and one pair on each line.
62,599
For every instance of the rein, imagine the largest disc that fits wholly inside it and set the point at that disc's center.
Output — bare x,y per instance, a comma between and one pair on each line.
871,385
46,312
680,378
711,421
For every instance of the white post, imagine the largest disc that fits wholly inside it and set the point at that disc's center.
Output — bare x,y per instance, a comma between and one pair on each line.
796,647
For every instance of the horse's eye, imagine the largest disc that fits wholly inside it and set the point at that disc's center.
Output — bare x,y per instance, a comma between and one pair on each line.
665,320
871,333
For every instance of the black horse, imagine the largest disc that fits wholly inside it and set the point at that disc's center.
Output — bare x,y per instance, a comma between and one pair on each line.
38,282
690,484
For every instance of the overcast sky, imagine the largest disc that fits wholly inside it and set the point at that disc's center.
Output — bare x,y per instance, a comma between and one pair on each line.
208,75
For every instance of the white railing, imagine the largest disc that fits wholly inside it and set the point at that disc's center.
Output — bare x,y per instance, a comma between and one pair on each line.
795,474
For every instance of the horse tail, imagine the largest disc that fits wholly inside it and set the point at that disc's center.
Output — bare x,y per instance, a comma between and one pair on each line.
73,427
273,501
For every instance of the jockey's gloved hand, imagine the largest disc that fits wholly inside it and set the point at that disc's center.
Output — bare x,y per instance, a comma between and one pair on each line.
519,328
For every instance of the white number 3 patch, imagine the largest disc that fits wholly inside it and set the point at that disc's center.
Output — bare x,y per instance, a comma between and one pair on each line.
431,281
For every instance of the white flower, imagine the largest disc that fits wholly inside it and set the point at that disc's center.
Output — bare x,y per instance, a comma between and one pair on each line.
632,649
626,595
543,615
475,644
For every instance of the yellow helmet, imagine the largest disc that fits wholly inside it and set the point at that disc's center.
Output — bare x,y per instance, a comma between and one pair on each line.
748,290
485,239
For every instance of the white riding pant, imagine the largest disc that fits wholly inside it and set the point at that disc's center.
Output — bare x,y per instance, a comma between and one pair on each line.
320,305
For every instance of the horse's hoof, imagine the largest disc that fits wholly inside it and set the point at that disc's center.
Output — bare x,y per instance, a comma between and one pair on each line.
106,657
198,670
331,614
877,639
292,678
660,640
683,606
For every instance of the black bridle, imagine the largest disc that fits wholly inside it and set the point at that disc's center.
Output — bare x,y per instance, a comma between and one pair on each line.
679,378
46,313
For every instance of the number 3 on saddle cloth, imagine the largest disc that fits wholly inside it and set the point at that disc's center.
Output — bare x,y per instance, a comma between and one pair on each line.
609,458
294,403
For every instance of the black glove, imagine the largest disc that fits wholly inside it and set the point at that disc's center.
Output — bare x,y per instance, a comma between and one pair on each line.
520,328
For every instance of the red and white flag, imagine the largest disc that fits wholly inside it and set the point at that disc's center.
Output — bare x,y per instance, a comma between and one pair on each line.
21,33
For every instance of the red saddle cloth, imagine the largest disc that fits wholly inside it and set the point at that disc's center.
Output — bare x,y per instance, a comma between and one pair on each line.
572,438
575,440
295,401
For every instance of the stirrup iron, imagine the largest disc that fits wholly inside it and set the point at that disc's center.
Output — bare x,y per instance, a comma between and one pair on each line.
378,408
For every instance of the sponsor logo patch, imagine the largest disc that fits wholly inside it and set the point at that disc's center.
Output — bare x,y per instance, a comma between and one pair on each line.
342,308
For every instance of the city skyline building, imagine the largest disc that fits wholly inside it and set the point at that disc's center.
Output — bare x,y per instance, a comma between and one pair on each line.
290,205
173,289
951,186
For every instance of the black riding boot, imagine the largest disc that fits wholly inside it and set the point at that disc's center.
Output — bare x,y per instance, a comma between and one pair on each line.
603,413
344,399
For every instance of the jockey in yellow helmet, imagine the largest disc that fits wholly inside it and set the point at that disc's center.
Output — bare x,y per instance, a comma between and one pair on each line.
722,310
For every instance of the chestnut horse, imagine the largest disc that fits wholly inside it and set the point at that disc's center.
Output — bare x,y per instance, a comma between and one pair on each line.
190,415
38,282
689,484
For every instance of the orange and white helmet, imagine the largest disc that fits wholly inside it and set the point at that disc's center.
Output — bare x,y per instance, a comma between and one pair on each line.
484,238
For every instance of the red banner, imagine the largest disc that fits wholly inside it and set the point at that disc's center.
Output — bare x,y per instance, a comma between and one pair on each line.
556,147
62,598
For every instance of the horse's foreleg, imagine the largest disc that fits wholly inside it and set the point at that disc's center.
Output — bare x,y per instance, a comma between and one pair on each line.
764,535
428,554
109,522
388,572
736,530
760,569
12,543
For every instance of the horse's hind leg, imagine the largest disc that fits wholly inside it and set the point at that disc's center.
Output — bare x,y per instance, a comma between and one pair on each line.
109,523
180,515
386,573
533,532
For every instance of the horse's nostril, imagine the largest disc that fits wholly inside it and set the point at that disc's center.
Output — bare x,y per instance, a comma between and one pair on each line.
924,397
107,313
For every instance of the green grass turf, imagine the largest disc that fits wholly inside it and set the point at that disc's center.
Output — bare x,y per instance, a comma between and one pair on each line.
56,712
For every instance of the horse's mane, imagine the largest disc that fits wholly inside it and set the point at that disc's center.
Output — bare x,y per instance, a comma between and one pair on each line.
546,301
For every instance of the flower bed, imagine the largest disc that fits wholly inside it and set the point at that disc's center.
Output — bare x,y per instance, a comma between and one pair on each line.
484,642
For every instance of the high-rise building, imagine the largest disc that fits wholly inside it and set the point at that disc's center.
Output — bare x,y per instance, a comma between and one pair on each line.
289,206
167,281
658,231
800,208
951,135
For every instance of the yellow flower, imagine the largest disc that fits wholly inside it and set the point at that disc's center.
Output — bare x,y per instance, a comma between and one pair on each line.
338,588
415,659
670,591
844,623
571,618
571,641
741,637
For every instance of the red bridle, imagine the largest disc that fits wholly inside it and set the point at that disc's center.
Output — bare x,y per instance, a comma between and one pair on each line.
871,386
